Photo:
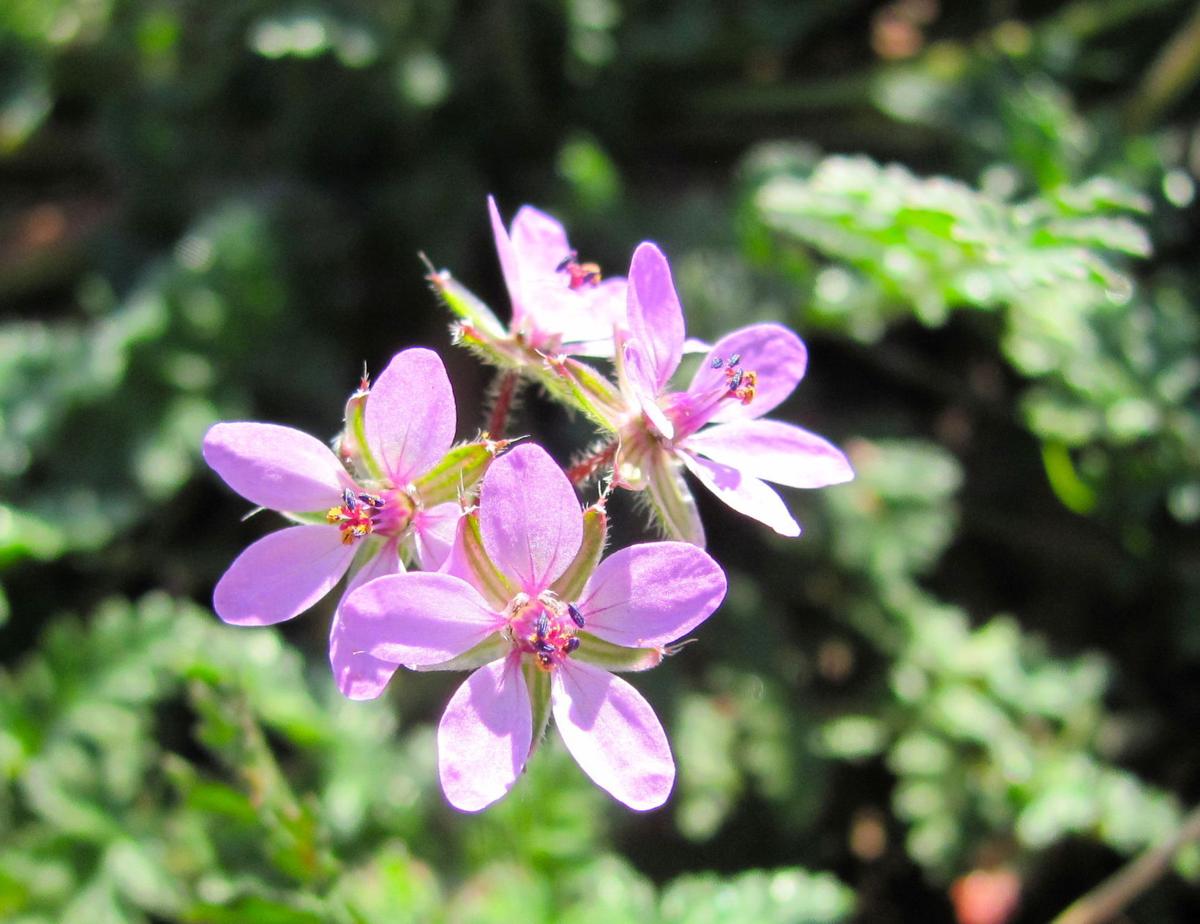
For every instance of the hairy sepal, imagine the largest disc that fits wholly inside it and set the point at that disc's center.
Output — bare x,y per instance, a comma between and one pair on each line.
488,579
615,658
672,501
485,652
570,584
538,683
456,474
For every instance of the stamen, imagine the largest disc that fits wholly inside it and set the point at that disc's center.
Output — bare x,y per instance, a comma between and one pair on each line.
579,274
357,515
544,628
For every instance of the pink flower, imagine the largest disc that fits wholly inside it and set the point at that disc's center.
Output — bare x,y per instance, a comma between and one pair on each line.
408,426
560,304
524,601
746,374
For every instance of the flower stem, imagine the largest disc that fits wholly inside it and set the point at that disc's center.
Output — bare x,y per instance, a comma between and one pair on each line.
1109,898
505,392
587,467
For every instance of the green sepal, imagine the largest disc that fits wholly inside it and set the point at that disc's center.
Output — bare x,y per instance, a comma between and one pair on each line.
465,303
672,500
351,445
458,471
598,652
578,385
308,518
490,649
489,580
538,683
595,534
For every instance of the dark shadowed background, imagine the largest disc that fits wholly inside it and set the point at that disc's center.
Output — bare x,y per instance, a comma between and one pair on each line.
977,674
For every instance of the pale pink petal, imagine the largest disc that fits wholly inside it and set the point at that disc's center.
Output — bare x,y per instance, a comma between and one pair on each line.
640,382
774,451
509,266
357,674
655,317
743,493
281,575
530,518
613,734
276,467
539,241
651,594
410,417
416,618
485,735
577,317
434,530
777,357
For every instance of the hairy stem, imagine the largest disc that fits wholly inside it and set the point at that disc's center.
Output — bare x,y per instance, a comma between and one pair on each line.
586,468
505,393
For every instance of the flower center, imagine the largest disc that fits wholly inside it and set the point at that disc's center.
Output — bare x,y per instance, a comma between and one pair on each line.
579,274
388,513
545,628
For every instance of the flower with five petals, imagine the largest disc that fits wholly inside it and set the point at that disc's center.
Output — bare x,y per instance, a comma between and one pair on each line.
559,304
744,375
341,518
525,601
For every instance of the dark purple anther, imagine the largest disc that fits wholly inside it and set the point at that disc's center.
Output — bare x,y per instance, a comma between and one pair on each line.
371,500
735,359
576,616
735,380
349,500
572,644
543,625
567,261
717,362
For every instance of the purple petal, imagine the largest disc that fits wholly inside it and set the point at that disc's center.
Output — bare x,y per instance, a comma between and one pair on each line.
410,417
358,674
485,735
275,467
655,316
423,618
776,355
743,493
580,318
613,734
539,241
509,265
530,518
281,575
641,383
650,594
774,451
434,530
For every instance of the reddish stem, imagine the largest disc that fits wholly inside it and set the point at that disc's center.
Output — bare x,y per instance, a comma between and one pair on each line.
587,467
506,391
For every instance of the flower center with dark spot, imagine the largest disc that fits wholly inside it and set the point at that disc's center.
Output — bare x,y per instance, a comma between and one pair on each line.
387,513
579,274
545,628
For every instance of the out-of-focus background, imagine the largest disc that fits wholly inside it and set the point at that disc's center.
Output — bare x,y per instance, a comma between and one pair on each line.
968,693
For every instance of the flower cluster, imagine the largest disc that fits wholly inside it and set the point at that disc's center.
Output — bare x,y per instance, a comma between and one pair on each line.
479,556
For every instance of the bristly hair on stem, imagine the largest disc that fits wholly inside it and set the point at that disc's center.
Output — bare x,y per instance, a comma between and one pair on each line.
503,397
588,466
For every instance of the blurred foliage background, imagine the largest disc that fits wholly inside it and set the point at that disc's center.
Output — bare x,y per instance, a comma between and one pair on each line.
983,656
